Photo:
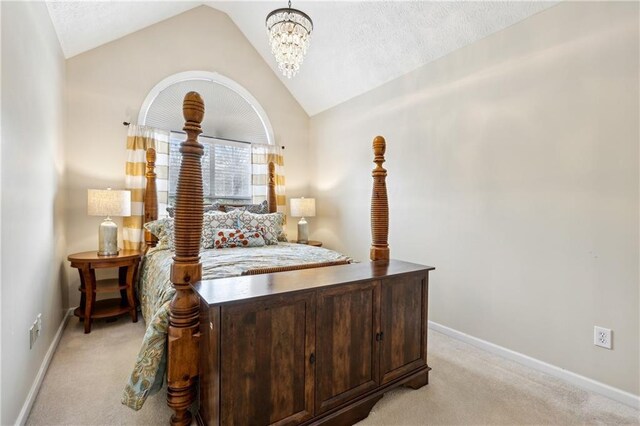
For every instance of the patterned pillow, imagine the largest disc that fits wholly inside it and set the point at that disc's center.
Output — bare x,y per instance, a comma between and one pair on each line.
163,228
238,238
269,224
207,208
157,227
261,208
213,221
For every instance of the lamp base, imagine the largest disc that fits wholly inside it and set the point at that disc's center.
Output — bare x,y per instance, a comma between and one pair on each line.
303,231
108,238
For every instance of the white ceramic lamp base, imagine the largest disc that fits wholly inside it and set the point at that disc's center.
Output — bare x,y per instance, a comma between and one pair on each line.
108,238
303,231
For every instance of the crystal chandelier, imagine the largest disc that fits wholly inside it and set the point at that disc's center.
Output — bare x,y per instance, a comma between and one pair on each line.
289,35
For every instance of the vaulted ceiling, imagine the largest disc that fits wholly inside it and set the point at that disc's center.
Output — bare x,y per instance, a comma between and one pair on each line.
355,46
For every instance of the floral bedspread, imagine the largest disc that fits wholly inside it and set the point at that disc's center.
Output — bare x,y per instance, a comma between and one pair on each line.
155,293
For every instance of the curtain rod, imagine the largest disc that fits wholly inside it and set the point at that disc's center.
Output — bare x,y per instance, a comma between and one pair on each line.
126,123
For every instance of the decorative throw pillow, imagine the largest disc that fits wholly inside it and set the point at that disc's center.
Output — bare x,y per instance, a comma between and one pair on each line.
156,227
163,228
214,220
238,238
261,208
166,236
269,224
207,208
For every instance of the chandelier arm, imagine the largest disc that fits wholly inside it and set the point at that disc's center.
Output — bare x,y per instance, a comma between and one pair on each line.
295,24
294,11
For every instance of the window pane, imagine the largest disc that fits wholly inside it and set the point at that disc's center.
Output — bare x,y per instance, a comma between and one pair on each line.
174,160
175,139
232,165
226,168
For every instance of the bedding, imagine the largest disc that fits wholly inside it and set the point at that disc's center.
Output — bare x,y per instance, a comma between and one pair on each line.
155,293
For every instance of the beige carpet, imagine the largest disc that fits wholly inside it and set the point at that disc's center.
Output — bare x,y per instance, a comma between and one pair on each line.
468,387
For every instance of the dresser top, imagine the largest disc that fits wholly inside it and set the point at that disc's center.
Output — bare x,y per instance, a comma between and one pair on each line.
224,290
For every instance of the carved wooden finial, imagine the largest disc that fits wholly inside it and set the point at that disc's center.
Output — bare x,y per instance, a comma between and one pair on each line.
379,204
183,341
379,148
151,158
193,108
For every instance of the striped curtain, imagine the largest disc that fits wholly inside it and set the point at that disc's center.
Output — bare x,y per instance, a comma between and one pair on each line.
139,139
261,156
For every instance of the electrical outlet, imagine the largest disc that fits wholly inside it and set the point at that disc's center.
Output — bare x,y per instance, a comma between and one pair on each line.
39,322
32,334
602,337
34,331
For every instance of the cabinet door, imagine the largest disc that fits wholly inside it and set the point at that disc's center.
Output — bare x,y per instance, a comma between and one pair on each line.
403,320
267,371
346,325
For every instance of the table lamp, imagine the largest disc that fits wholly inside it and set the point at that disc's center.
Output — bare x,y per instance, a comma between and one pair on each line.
303,207
108,202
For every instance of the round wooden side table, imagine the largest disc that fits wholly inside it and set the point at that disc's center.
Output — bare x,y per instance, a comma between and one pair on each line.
87,262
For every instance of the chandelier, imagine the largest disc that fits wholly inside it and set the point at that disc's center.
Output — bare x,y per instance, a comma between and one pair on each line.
289,35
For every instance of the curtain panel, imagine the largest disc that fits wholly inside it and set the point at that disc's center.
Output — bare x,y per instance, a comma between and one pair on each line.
139,139
261,156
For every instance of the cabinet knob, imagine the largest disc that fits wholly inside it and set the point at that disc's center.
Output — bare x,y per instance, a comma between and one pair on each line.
312,359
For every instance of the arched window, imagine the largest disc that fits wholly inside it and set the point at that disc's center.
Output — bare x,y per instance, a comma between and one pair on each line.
233,121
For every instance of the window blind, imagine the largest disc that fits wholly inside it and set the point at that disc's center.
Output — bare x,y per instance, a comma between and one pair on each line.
226,167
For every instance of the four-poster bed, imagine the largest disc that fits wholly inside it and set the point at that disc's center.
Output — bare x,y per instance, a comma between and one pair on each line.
286,344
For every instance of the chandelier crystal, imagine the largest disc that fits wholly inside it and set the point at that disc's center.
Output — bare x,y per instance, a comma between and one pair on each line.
289,35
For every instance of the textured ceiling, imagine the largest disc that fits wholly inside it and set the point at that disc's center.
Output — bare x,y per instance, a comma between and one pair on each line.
84,25
355,46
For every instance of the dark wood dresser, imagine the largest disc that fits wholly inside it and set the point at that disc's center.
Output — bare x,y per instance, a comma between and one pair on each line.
310,347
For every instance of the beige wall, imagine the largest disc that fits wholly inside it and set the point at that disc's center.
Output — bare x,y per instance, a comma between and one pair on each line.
513,168
32,168
107,86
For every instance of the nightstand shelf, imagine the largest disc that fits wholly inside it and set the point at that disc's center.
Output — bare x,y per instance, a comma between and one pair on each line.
105,309
127,264
109,285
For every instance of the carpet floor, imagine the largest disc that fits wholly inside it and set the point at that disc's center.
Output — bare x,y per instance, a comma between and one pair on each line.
468,386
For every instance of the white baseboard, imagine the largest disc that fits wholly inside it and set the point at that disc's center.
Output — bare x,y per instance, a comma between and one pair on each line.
35,387
560,373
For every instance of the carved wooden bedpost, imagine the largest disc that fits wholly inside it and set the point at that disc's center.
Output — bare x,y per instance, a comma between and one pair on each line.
272,200
150,198
183,339
379,204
